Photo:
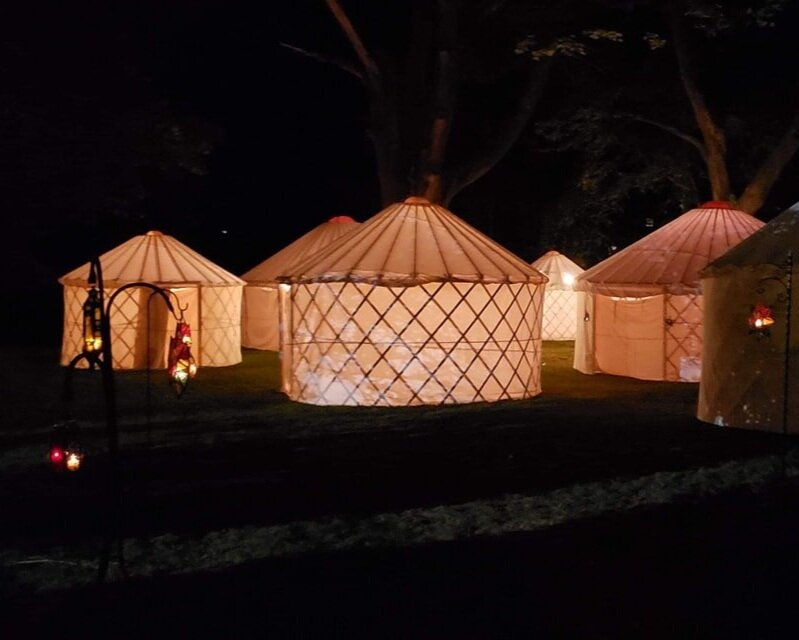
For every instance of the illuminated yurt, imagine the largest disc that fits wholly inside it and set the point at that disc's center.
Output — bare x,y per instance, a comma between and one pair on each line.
141,325
751,333
642,315
259,312
413,307
560,298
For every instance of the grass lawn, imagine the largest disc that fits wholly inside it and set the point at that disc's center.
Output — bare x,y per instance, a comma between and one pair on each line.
233,474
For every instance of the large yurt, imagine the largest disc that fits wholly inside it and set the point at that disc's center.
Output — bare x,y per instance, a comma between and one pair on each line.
141,324
259,311
752,331
413,307
642,315
560,298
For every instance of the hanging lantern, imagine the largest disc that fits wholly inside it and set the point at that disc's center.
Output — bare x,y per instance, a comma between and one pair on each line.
761,319
181,365
92,324
65,451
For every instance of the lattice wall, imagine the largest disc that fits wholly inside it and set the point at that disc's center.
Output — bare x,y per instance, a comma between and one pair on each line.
438,343
560,315
683,347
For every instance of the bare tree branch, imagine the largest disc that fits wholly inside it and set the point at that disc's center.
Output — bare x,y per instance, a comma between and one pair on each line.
693,141
369,64
756,191
502,141
344,66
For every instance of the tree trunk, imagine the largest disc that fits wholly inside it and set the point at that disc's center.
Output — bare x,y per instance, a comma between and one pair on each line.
715,143
433,156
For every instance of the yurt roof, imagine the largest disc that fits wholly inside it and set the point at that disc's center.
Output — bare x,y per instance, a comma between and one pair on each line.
768,245
555,266
670,258
309,244
414,242
156,258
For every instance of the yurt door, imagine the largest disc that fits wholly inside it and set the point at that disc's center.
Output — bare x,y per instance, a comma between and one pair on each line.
683,338
629,336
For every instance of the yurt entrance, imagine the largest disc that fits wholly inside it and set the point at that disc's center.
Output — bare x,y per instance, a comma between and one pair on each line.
141,325
629,336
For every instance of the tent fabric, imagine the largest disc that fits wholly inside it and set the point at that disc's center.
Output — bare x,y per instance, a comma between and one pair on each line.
746,373
669,259
560,299
413,307
664,266
260,309
141,325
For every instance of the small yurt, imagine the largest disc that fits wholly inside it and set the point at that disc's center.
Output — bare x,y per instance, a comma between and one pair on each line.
259,311
751,331
642,315
141,325
413,307
560,298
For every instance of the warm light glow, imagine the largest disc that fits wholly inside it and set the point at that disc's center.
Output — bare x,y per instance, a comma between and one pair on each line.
73,461
761,318
182,366
56,454
568,279
92,323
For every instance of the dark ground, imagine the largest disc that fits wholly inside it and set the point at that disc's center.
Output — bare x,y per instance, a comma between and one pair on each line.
721,567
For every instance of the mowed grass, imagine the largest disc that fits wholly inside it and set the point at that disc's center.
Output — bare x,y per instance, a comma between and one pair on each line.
234,472
233,451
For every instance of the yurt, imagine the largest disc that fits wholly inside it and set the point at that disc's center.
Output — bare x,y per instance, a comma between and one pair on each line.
413,307
560,298
141,325
642,315
751,334
259,311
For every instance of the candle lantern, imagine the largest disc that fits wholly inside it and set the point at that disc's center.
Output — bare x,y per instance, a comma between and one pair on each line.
92,324
760,320
65,450
181,365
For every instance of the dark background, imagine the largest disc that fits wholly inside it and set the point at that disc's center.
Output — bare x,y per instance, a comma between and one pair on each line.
191,117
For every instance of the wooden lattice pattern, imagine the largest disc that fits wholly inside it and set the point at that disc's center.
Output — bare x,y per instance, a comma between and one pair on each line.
683,337
560,315
436,343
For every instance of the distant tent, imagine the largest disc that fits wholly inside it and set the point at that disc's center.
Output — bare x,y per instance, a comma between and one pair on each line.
746,373
643,308
413,307
560,298
140,322
259,313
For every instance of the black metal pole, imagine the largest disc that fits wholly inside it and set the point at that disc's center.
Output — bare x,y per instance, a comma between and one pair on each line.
787,355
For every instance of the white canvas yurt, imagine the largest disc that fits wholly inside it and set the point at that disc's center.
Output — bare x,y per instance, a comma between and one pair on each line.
259,311
560,298
413,307
141,325
642,315
751,334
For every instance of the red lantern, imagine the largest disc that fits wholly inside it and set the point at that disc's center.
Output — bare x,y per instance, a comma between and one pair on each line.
181,365
760,319
65,451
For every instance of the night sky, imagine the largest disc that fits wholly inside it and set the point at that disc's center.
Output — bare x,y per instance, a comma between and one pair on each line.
288,146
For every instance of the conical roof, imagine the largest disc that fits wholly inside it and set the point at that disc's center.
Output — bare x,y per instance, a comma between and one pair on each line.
309,244
560,270
155,258
670,258
414,242
768,245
